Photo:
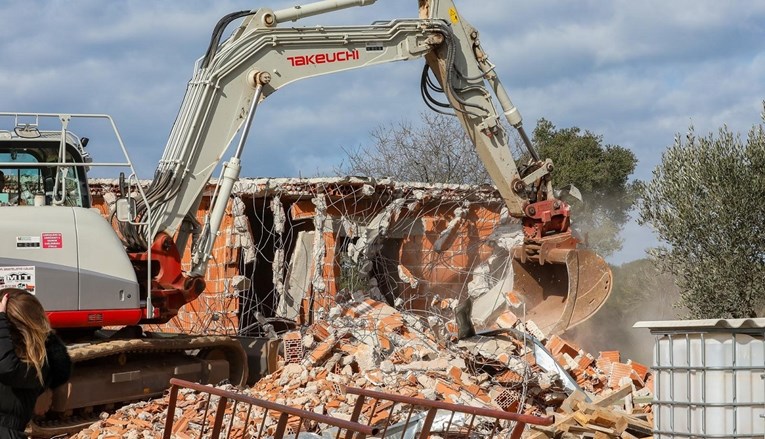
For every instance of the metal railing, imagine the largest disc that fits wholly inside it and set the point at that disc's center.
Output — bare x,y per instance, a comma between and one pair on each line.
289,420
465,427
376,407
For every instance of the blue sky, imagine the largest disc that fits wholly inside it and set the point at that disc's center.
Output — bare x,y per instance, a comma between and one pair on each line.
634,72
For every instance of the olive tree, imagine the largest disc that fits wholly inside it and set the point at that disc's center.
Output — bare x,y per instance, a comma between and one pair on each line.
705,202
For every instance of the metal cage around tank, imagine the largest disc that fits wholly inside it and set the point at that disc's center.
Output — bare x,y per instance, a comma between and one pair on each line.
709,378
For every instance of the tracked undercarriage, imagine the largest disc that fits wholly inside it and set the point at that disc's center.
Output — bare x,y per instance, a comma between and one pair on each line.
113,373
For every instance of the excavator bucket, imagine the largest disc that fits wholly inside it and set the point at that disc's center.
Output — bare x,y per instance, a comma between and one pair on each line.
567,289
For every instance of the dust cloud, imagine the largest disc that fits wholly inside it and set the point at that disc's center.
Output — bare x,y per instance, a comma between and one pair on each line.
639,293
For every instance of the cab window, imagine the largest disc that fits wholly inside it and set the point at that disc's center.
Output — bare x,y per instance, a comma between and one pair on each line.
19,185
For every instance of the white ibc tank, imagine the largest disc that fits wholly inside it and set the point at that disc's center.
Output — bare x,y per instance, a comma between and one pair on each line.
708,379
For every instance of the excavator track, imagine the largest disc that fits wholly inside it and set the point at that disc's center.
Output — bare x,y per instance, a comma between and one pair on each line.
156,345
68,417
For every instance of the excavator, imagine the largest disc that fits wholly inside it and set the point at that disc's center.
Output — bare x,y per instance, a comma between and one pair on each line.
90,275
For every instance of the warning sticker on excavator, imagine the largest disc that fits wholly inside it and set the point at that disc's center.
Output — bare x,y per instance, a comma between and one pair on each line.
22,277
52,240
453,15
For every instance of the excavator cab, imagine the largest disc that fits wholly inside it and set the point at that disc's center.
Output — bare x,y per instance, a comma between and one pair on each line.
41,167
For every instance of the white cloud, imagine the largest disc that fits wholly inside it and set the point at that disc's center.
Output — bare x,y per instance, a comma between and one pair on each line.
635,72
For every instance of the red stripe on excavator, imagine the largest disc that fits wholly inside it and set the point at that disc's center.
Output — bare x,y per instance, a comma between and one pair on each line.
96,318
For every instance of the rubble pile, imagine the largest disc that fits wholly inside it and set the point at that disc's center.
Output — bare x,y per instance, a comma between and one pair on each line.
370,344
596,375
620,395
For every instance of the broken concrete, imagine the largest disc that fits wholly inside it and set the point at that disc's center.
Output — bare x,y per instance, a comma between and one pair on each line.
423,248
492,281
370,344
298,279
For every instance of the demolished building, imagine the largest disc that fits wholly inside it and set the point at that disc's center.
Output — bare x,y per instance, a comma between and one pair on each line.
369,348
289,247
362,281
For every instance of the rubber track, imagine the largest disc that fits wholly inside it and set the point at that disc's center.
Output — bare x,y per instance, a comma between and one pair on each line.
93,351
235,355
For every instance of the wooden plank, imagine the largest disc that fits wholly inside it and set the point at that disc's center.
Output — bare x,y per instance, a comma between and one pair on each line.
538,435
640,429
621,424
574,428
604,430
570,404
561,419
603,418
642,399
613,397
581,418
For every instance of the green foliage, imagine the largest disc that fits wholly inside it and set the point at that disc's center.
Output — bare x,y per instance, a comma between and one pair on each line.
705,201
437,150
351,277
600,172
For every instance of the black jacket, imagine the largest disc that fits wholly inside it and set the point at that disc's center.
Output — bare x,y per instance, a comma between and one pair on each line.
19,385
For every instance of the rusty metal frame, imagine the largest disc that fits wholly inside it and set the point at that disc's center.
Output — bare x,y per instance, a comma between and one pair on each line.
353,430
432,407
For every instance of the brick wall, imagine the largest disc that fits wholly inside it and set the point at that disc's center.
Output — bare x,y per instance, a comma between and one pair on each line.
425,219
447,272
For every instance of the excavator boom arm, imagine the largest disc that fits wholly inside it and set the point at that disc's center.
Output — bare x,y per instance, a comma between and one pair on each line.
260,57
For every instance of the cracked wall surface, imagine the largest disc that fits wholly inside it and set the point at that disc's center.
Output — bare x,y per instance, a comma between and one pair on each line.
290,248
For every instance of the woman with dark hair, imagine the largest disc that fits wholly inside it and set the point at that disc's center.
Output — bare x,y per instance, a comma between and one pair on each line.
32,359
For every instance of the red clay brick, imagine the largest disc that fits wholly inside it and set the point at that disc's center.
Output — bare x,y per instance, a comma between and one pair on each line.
618,371
640,369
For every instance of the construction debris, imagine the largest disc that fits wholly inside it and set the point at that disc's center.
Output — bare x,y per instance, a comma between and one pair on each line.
577,418
371,345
